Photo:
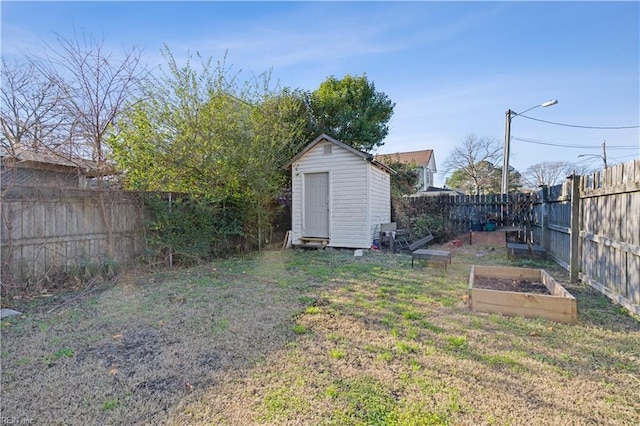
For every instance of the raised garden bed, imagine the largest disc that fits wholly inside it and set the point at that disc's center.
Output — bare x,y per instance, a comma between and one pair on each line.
520,292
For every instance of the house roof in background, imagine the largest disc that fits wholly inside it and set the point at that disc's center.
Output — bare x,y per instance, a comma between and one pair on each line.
90,168
435,191
420,158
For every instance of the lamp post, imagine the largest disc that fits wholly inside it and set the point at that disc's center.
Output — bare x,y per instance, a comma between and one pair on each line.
507,141
603,156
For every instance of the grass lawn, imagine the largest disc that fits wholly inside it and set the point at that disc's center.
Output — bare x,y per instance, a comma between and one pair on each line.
316,337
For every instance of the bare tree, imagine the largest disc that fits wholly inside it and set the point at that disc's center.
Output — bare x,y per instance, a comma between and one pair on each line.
470,161
31,114
95,86
547,173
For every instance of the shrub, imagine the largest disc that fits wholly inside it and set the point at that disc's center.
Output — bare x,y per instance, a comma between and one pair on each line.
194,229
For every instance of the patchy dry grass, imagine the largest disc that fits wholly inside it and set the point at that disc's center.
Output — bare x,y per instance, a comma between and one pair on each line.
317,337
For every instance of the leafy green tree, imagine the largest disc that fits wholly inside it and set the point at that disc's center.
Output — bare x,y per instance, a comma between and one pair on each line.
200,131
184,135
352,111
515,181
405,179
460,180
483,178
284,121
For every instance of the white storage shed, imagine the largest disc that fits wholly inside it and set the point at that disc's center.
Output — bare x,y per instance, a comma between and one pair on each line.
339,196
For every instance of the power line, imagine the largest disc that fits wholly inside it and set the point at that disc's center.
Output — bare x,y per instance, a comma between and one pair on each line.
581,127
619,157
537,142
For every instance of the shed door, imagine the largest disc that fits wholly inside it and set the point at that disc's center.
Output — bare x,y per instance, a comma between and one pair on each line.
316,205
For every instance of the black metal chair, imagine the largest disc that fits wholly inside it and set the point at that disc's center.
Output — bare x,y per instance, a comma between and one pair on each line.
400,240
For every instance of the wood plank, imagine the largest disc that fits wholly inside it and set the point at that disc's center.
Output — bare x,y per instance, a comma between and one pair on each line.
553,286
287,238
633,274
520,299
507,272
575,229
63,239
555,308
28,213
12,213
421,242
561,307
616,189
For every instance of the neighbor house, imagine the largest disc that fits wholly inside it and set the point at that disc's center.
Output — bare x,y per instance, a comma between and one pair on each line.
339,196
424,161
434,191
30,168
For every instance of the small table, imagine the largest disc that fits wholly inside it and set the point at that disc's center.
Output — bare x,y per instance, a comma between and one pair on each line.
435,255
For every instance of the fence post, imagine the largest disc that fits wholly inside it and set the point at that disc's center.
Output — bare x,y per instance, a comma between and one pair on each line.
544,215
574,265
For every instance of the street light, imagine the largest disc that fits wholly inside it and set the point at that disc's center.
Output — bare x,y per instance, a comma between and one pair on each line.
507,141
603,156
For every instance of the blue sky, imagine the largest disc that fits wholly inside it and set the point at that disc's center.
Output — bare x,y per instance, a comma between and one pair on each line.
452,68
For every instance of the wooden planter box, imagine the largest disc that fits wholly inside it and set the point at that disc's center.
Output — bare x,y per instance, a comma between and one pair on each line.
559,305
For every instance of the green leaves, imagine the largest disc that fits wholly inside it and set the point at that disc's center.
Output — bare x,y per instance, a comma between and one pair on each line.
200,131
405,179
352,111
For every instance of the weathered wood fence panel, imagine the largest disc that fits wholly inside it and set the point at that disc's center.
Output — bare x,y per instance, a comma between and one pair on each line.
590,225
551,221
506,210
46,231
511,210
610,233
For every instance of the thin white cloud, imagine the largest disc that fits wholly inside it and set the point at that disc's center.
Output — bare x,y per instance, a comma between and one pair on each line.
300,37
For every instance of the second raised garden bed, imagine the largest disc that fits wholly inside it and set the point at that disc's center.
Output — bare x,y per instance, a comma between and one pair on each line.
531,293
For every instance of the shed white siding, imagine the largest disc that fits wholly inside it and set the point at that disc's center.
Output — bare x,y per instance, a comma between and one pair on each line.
380,206
359,197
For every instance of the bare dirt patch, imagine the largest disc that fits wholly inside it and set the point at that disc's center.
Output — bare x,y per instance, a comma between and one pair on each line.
505,284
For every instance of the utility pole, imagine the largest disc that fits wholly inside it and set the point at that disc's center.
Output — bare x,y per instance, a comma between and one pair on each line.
507,141
602,156
507,146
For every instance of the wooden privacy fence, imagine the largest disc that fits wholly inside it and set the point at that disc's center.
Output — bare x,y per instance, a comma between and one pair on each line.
511,210
48,231
589,224
608,243
551,221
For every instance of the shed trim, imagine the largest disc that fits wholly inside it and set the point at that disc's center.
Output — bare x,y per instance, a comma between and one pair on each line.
364,155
